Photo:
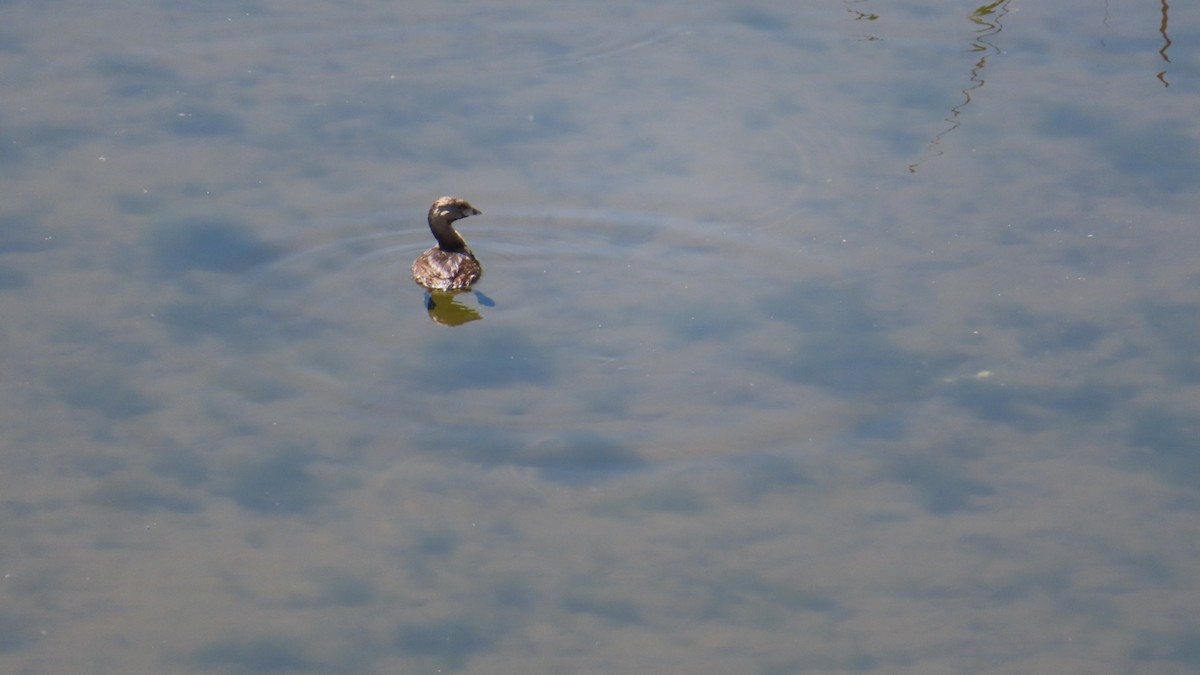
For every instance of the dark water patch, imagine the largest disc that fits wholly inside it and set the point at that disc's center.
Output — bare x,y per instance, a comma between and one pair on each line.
753,478
13,509
912,92
1176,325
842,345
1032,582
424,549
579,458
334,587
856,659
1030,407
514,594
1067,336
18,630
12,278
746,479
884,425
284,481
185,466
134,77
718,319
676,498
14,157
107,347
1161,158
206,243
9,43
437,542
1094,258
436,122
698,488
759,18
820,306
1170,436
23,233
487,359
249,655
542,121
138,203
852,365
1175,648
573,458
1043,335
38,586
98,464
998,585
102,389
943,484
254,386
248,8
41,140
357,133
449,641
633,503
607,606
239,323
749,599
143,496
196,121
1067,120
481,444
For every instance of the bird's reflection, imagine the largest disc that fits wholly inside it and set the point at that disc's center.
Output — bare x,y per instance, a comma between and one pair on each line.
447,309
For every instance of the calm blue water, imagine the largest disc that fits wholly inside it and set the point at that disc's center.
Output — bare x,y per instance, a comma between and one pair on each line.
850,337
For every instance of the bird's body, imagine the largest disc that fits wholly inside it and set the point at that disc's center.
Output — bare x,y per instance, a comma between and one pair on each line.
450,265
440,270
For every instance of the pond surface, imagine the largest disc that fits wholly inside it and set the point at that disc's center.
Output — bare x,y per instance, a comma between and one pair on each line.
850,337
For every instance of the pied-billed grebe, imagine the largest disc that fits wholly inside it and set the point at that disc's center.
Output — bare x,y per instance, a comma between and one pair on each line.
450,264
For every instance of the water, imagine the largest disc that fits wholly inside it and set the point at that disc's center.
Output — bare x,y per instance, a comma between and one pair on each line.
845,337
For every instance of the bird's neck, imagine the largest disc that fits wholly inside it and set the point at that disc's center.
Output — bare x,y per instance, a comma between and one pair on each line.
448,238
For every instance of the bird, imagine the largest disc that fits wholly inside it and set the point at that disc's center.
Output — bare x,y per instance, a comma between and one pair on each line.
450,265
